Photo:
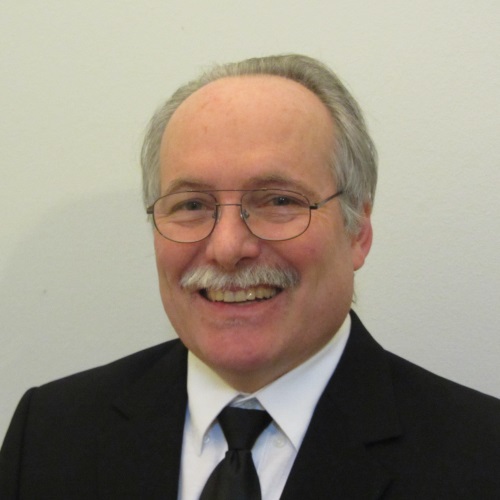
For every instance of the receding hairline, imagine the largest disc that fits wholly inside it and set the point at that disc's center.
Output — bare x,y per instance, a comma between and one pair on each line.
250,79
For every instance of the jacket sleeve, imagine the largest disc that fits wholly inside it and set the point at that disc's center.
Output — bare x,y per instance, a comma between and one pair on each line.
12,451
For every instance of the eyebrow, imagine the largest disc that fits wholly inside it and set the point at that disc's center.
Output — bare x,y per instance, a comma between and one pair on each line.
257,182
187,184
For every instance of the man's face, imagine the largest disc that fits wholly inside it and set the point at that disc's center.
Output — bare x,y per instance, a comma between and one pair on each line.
248,133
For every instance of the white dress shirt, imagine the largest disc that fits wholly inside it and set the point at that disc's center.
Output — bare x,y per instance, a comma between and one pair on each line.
290,400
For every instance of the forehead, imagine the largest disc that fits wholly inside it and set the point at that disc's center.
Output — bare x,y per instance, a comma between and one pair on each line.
253,122
248,95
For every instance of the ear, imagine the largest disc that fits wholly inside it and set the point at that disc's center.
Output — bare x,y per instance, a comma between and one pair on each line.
362,241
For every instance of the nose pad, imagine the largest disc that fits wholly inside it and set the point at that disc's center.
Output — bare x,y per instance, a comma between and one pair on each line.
244,214
218,212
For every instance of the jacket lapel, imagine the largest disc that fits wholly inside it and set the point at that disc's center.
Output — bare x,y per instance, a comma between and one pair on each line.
355,413
142,438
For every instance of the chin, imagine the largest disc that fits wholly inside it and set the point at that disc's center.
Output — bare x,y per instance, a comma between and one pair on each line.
235,354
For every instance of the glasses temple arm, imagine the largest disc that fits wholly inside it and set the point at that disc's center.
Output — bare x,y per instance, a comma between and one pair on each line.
326,200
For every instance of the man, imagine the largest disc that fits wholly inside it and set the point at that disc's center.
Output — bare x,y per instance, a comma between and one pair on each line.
260,179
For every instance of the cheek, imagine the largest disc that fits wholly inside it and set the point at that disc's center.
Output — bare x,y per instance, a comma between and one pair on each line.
162,262
328,264
170,261
313,256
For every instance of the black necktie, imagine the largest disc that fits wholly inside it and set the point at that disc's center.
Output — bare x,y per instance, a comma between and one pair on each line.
235,478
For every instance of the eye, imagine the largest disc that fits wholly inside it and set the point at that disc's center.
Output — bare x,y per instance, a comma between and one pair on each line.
283,201
276,203
192,205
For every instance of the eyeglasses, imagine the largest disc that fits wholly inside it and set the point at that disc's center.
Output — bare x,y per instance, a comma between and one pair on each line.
269,214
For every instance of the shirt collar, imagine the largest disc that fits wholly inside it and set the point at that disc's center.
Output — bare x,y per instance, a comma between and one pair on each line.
290,400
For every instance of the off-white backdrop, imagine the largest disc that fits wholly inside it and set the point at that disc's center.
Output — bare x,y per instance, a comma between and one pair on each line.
79,81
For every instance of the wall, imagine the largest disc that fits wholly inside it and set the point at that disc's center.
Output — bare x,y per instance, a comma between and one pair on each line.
80,80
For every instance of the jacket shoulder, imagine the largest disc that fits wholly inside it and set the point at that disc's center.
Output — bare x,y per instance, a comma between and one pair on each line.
112,376
59,425
413,383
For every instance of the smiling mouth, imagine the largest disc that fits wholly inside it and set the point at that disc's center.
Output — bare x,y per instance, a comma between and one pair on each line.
247,295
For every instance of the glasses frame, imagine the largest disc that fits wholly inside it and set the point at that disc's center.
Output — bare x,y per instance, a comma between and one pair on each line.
243,215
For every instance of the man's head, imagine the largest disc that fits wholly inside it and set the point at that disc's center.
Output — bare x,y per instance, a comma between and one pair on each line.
250,308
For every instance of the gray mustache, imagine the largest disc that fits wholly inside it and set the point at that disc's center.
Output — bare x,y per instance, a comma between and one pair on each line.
216,279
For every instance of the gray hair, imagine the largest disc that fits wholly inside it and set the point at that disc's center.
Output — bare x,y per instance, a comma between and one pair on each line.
354,158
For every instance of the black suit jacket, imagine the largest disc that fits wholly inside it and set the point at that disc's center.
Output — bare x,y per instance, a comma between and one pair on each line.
383,429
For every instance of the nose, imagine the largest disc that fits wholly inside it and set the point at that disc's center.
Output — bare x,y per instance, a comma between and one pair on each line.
231,242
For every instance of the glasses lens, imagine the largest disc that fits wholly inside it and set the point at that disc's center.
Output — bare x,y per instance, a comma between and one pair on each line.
276,214
185,217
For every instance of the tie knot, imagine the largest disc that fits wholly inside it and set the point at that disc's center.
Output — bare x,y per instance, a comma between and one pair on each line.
242,427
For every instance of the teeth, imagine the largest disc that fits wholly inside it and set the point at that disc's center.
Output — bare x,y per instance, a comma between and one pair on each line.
248,294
